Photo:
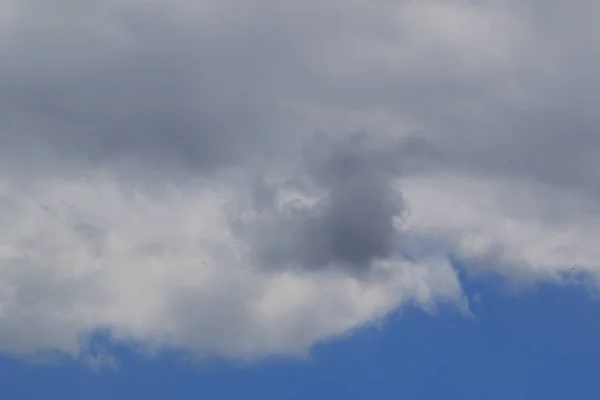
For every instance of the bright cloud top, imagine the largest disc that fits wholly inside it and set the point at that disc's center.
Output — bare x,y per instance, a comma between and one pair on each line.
243,180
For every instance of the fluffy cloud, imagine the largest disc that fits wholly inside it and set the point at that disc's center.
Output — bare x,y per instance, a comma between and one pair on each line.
168,272
243,180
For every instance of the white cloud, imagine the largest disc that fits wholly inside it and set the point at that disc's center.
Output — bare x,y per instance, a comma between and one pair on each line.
78,257
512,226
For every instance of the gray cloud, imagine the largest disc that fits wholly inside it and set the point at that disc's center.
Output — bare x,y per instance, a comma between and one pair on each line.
130,88
351,224
479,119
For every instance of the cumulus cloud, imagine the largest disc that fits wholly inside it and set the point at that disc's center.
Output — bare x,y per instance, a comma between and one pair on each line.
247,179
169,272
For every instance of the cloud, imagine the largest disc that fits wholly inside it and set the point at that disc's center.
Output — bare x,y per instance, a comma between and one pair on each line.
169,272
192,175
350,222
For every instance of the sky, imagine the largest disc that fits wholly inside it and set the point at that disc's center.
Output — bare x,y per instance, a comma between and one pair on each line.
289,199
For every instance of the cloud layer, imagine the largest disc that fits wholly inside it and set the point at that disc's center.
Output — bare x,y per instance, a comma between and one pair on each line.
247,179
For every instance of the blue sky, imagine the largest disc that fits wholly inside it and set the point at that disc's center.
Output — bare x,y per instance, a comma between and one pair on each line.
330,198
539,344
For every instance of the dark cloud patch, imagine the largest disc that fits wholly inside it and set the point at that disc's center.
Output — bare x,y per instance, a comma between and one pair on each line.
350,226
137,93
111,119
